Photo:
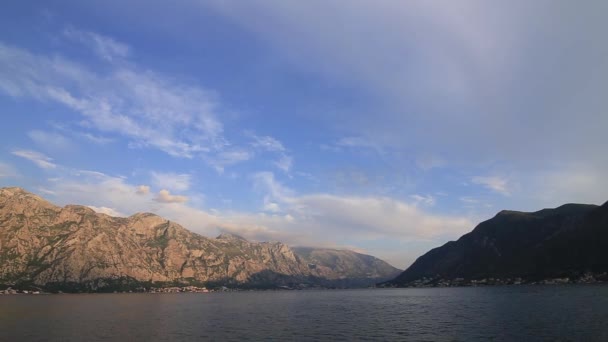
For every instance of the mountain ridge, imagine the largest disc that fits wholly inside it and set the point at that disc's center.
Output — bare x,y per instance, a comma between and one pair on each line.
75,248
516,246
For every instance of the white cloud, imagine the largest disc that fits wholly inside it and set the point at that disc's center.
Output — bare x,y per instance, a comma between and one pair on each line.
311,220
37,158
494,183
107,211
485,82
367,216
429,162
426,200
265,181
284,163
142,190
171,181
469,200
7,171
267,143
50,140
359,142
105,47
151,109
271,206
97,139
573,183
228,158
165,196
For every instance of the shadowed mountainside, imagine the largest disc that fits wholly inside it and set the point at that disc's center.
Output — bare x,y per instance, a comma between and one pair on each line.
568,242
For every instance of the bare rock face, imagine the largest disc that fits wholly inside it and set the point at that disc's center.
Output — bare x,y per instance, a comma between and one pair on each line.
43,244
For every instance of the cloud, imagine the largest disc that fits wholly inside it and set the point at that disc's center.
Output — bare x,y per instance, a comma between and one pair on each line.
370,216
359,142
107,211
142,190
494,183
267,143
37,158
469,200
271,207
270,144
485,82
151,109
265,181
105,47
284,163
97,139
428,162
316,219
426,200
170,180
165,196
228,158
570,183
50,140
7,171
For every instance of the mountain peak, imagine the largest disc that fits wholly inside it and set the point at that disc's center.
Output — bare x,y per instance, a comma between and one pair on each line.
230,237
549,243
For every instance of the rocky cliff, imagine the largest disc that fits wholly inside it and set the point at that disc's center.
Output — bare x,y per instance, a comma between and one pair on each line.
354,269
75,248
568,243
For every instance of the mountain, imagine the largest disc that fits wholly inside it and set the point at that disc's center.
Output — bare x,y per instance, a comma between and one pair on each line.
569,243
355,269
73,248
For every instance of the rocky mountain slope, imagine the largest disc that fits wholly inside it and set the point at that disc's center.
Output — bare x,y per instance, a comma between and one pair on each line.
569,243
75,248
355,269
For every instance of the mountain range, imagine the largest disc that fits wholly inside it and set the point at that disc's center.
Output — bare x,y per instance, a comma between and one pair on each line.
74,248
565,244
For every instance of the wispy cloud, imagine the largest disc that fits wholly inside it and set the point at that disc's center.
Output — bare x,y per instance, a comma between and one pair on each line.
267,143
370,216
108,211
170,180
37,158
97,139
50,140
229,157
142,190
105,47
318,219
427,200
284,163
165,196
149,108
494,183
359,142
7,170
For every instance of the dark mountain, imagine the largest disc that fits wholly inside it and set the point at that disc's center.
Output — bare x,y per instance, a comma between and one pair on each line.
570,241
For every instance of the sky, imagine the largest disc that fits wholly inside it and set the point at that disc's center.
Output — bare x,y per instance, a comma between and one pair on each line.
386,127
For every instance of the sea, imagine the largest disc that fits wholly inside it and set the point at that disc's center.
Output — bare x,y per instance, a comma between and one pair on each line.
509,313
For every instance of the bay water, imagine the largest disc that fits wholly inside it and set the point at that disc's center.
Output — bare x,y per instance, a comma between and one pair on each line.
510,313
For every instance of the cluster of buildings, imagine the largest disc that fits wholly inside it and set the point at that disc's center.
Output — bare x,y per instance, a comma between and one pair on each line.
587,278
177,289
10,291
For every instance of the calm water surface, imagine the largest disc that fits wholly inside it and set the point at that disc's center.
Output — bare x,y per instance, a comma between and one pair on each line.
525,313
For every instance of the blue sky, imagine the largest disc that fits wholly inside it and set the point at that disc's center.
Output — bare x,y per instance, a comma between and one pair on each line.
386,127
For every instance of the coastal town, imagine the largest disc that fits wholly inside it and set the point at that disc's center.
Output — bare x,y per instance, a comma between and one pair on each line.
172,289
587,278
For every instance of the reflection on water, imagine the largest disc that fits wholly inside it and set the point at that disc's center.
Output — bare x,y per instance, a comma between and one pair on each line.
496,313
